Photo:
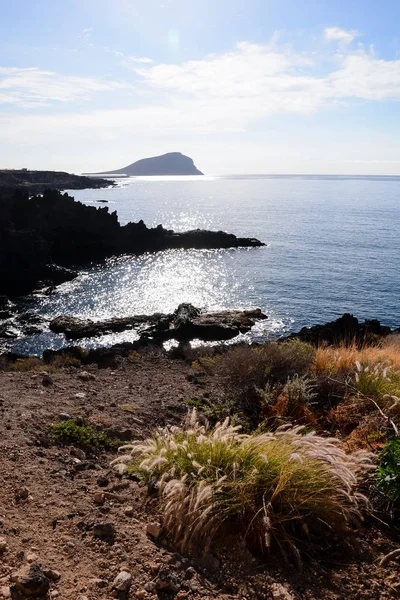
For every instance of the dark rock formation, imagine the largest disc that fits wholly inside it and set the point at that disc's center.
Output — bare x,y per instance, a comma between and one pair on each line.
38,181
185,324
39,231
345,330
172,163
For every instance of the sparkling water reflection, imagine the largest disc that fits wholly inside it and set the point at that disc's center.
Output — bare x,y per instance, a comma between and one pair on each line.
333,247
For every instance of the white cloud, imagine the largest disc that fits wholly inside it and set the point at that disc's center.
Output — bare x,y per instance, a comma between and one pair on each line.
336,33
34,87
222,93
133,60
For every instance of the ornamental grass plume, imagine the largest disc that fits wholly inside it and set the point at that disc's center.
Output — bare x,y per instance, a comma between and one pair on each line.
287,488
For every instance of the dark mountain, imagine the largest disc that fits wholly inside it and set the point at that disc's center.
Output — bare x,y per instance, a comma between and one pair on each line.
172,163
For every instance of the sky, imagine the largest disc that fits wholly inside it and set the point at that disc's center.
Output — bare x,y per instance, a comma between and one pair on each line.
241,86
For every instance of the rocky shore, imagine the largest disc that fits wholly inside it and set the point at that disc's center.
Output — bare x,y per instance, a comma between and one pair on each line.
40,236
36,182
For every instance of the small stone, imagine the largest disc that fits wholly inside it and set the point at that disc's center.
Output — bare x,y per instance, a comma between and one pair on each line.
79,453
85,376
102,482
47,380
149,587
104,530
154,568
162,585
190,573
22,493
31,557
80,395
83,598
123,581
64,416
5,592
52,574
141,594
99,498
30,581
153,529
96,582
3,544
280,592
129,511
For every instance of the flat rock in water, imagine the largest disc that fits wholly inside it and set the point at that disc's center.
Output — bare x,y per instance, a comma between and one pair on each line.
185,324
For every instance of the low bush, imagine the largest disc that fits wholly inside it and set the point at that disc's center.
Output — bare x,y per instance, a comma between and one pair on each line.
287,359
388,474
81,433
286,489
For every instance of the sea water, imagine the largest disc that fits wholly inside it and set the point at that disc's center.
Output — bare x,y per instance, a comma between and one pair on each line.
332,246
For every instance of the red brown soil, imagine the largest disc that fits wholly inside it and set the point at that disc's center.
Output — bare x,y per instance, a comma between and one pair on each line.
53,525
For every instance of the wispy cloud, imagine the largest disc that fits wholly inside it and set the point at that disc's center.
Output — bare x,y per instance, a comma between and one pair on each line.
32,87
134,60
341,35
226,92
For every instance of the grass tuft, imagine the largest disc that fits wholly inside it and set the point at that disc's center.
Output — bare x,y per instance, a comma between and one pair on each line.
287,489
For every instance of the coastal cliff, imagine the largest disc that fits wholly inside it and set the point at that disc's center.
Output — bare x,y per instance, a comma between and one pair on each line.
54,229
172,163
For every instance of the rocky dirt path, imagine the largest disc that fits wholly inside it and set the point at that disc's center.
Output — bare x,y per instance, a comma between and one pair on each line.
84,524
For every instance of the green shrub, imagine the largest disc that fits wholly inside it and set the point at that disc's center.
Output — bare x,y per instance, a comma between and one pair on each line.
289,487
388,474
80,433
299,391
286,359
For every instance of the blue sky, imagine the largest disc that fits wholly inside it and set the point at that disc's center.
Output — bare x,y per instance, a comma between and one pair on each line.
242,86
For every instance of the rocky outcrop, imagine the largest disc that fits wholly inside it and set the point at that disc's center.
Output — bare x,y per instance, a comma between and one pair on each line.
185,324
37,181
172,163
345,330
53,229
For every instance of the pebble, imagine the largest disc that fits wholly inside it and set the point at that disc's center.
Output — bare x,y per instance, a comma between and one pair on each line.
141,594
31,581
47,380
280,592
31,557
129,511
85,376
3,544
22,493
96,582
154,529
123,581
149,587
99,498
52,574
104,530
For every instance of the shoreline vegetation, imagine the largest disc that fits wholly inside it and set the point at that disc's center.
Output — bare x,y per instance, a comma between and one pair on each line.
267,471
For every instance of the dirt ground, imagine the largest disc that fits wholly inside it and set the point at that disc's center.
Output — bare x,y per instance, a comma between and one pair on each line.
54,499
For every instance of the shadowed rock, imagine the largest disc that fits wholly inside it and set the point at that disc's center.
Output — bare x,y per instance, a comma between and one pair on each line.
185,324
37,233
345,330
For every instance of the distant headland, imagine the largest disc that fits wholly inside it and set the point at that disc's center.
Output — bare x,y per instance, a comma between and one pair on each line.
38,181
172,163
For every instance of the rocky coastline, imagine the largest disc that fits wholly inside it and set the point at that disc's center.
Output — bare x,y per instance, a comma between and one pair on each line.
41,236
36,182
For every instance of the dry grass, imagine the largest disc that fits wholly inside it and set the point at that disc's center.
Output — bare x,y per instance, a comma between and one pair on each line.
331,360
288,488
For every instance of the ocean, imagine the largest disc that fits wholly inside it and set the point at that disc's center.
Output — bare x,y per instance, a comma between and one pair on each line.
333,246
